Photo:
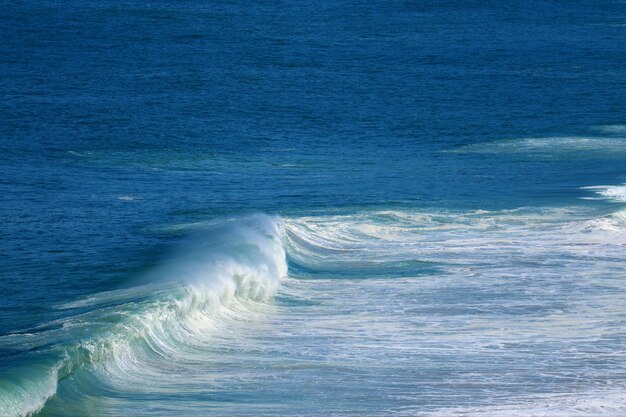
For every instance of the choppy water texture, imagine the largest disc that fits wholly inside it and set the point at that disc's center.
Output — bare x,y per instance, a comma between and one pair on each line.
312,208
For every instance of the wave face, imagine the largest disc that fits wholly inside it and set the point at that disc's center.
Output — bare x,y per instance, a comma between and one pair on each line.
219,272
380,311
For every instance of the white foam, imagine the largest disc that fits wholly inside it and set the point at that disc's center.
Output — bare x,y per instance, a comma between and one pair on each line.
611,404
434,237
549,145
612,192
127,197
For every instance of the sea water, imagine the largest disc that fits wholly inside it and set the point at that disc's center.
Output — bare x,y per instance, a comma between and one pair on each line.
312,208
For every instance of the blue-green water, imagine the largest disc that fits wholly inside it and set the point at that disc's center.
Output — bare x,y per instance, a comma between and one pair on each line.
327,208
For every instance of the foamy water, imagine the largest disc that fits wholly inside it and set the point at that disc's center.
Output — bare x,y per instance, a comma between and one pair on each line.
403,312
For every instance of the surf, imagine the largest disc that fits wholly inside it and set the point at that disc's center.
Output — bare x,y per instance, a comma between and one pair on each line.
170,327
217,272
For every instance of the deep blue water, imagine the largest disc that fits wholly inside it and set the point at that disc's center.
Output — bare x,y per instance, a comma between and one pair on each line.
312,208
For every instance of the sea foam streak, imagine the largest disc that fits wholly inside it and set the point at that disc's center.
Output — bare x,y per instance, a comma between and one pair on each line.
215,274
572,146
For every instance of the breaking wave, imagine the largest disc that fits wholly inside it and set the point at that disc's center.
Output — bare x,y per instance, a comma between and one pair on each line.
176,316
217,273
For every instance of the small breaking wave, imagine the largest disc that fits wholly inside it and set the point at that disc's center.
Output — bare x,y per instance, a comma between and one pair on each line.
612,192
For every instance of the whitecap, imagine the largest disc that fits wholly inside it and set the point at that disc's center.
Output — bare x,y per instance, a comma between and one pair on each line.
127,197
611,192
549,146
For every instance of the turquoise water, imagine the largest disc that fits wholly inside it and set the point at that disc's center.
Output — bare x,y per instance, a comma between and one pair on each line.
288,208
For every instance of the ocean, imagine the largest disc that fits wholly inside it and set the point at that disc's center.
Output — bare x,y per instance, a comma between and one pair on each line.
332,208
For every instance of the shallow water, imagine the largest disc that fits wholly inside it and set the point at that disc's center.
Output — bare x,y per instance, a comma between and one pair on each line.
312,209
